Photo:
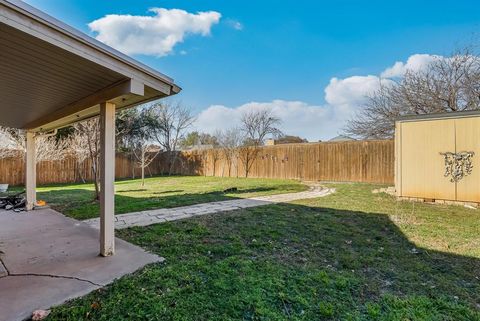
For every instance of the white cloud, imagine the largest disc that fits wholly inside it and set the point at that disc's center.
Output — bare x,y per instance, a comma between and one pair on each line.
349,93
237,25
414,63
152,35
294,115
343,97
298,118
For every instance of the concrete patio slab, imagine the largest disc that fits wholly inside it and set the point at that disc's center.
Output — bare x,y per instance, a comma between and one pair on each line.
49,258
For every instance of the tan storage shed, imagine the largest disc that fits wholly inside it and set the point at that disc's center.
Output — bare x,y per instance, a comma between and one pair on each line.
437,157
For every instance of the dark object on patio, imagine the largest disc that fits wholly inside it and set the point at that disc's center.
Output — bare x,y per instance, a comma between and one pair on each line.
230,190
16,202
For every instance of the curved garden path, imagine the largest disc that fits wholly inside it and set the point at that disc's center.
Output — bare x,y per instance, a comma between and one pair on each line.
145,218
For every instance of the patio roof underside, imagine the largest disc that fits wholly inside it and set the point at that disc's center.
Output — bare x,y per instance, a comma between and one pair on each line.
51,77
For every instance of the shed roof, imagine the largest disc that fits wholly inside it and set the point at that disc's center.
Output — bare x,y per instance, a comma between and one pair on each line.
434,116
53,75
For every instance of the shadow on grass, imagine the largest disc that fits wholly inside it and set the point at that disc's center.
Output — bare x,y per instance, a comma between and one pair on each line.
285,261
79,203
250,190
169,192
132,190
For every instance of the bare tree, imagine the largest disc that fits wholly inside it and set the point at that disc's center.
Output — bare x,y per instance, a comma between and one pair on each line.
144,155
247,154
216,154
216,151
11,143
47,147
256,126
204,157
87,142
229,141
170,122
79,149
138,139
377,118
127,121
445,85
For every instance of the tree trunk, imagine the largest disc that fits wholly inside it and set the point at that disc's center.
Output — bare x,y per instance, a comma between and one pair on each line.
95,178
149,171
79,171
236,166
230,164
172,164
247,166
143,168
132,157
205,164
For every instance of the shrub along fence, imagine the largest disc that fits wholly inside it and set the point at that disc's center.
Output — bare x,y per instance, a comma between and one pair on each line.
353,161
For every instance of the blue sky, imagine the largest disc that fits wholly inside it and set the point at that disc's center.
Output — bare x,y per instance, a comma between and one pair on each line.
297,57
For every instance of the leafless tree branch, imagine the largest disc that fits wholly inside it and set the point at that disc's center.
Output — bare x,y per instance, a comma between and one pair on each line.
445,85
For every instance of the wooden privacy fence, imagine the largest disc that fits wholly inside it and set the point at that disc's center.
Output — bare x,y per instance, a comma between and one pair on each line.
68,170
353,161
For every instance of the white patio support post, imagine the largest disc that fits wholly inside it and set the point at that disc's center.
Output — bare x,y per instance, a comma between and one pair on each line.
107,179
30,171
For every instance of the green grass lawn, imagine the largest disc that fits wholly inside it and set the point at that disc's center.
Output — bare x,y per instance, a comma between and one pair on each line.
352,255
76,200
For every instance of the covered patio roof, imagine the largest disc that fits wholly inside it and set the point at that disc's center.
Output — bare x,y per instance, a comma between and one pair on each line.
53,75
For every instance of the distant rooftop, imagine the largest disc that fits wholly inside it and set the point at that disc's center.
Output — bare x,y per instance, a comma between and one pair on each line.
341,138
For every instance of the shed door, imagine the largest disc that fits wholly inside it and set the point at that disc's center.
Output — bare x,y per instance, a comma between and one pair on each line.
468,140
422,166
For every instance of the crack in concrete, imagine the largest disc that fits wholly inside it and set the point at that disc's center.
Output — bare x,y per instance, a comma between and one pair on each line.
48,275
56,276
2,264
5,267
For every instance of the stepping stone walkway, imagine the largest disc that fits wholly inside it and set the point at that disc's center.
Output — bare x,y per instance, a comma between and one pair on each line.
145,218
